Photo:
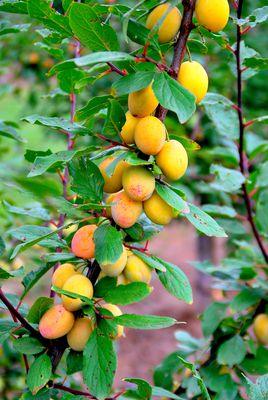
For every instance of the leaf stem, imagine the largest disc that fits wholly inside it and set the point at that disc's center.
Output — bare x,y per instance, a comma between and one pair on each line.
240,114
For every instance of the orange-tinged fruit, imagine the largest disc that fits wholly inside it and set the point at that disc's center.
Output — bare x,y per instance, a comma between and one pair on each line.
158,211
62,273
56,322
193,77
127,132
172,160
116,313
143,102
260,325
212,14
138,183
78,284
125,211
150,135
83,243
170,25
79,334
112,183
137,270
116,268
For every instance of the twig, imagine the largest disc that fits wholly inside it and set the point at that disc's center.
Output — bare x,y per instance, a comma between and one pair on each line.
73,391
117,70
240,114
180,47
160,66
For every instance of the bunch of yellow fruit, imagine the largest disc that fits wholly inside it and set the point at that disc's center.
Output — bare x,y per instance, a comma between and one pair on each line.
62,319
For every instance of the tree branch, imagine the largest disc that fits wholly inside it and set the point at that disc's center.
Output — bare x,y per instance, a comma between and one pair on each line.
240,114
180,47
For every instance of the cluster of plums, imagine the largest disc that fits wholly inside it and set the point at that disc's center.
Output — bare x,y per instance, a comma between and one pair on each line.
130,189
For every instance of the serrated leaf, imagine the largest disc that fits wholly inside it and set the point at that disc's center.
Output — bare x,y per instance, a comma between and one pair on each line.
90,30
39,373
174,97
258,390
133,82
108,244
175,281
172,198
136,321
87,179
28,345
99,365
40,306
204,222
127,294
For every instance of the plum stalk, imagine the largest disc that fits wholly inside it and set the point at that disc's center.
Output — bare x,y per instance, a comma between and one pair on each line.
242,126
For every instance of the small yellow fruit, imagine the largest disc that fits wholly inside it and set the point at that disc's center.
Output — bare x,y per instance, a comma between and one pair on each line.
150,135
158,211
127,132
138,183
173,160
62,273
116,268
136,270
125,211
116,313
79,334
171,24
83,242
112,183
78,284
143,102
110,200
122,280
56,322
193,77
212,14
260,325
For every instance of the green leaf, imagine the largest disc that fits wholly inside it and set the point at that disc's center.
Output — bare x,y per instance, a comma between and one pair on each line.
94,58
115,119
232,352
133,82
93,107
99,365
41,10
39,373
104,285
172,198
258,390
138,33
39,308
223,211
144,389
128,294
144,321
108,244
33,277
57,123
197,376
90,30
220,38
257,16
2,246
152,261
163,372
87,179
212,317
203,222
221,112
34,212
160,392
257,364
175,281
56,161
74,362
246,298
6,327
261,212
14,6
174,97
9,129
256,63
28,345
69,78
73,295
227,180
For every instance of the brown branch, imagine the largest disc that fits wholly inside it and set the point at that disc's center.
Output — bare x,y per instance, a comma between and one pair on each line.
180,47
117,70
73,391
242,156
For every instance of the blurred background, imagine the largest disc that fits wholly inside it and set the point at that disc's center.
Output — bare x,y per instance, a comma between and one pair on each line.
25,89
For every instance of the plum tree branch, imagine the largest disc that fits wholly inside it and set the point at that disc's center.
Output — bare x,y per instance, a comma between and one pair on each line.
240,114
179,47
